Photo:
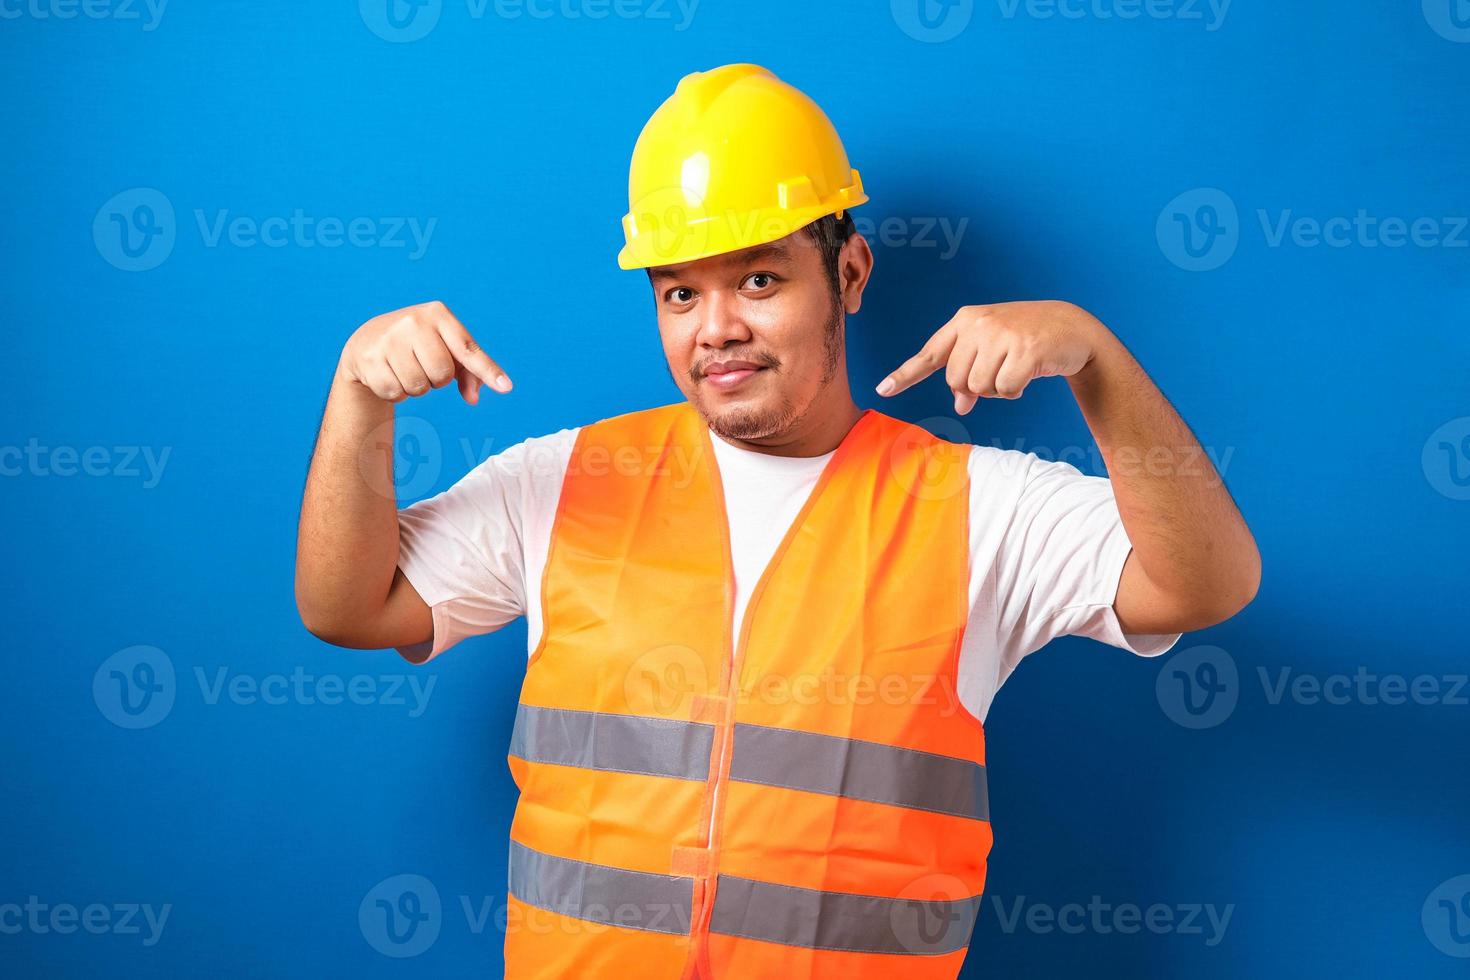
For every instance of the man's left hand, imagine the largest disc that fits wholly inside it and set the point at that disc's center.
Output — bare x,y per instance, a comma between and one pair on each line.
996,351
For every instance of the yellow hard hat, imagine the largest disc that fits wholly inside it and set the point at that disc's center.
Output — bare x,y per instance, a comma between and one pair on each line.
734,158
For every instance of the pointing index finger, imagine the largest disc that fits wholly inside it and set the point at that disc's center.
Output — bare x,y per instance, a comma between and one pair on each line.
930,358
464,349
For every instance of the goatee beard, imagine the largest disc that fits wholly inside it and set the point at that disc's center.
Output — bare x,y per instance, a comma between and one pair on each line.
752,424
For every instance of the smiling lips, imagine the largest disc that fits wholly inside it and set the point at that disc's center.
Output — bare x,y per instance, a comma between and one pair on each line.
725,375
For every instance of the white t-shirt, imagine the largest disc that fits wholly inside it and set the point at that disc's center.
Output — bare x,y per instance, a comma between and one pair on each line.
1047,548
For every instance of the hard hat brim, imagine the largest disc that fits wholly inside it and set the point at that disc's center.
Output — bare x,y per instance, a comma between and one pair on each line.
722,234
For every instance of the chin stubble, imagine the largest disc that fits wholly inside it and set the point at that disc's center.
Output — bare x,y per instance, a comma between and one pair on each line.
748,424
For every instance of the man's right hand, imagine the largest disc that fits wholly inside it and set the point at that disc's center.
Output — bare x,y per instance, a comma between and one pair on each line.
403,354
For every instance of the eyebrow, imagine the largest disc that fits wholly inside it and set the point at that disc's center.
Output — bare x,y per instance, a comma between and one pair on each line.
774,251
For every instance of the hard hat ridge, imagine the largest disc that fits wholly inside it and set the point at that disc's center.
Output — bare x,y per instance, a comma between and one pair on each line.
734,158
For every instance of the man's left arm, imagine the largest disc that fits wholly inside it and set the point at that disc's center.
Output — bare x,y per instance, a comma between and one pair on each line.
1194,562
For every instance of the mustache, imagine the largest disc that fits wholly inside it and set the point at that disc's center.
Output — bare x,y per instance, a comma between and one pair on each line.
763,358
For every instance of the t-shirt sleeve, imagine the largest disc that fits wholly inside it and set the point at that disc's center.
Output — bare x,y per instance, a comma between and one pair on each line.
1059,562
465,550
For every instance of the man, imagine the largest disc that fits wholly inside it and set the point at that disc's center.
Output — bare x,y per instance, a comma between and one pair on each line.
765,624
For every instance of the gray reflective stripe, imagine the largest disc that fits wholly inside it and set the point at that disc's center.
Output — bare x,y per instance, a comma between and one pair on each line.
745,908
597,893
617,743
840,920
859,770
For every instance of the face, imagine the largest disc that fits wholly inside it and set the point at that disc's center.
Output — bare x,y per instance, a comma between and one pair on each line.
754,339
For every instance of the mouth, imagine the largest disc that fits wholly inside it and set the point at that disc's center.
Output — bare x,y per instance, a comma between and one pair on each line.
726,375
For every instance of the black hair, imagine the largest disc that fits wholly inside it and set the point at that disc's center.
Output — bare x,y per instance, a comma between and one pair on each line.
829,234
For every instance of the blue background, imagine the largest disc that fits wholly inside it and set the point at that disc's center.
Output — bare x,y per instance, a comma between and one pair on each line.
1322,371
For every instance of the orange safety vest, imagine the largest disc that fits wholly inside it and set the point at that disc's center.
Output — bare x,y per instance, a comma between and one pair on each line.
810,804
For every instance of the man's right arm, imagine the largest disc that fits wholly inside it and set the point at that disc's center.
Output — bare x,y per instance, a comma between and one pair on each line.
349,590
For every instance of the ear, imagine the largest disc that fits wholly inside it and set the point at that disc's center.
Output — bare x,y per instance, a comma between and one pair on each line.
854,266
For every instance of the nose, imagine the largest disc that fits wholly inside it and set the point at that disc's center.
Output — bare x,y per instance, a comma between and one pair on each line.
720,321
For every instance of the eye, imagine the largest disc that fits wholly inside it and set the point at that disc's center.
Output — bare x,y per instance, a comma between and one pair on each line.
680,295
759,280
